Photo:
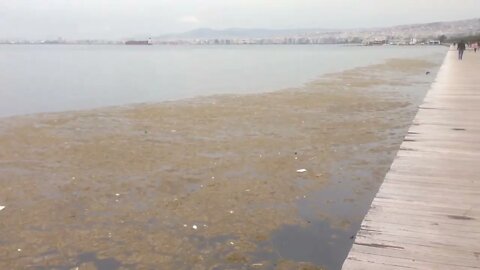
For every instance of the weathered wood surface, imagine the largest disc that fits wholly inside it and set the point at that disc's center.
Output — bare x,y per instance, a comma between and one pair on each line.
427,212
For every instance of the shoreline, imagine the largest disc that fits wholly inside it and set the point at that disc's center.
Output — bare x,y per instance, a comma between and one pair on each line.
213,182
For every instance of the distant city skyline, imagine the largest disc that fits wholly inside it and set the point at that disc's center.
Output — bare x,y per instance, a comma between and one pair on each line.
116,19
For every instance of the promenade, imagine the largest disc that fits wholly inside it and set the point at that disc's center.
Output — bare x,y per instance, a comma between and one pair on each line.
426,214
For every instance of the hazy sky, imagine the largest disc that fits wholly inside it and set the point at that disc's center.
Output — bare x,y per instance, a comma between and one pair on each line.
126,18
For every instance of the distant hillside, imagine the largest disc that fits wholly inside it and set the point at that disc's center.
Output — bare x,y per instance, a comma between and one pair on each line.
469,38
450,29
454,28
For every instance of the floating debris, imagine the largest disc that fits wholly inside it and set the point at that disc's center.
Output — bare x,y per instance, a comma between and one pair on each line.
232,243
2,207
194,227
302,170
117,194
173,130
231,212
185,225
19,250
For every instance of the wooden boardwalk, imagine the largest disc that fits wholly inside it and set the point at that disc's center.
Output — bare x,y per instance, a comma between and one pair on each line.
427,212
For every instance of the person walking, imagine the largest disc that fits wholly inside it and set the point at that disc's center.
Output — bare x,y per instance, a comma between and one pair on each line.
475,46
461,47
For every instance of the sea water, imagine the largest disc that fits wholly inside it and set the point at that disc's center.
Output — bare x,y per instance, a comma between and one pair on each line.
50,78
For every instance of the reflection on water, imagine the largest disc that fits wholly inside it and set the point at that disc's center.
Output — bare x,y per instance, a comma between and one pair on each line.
314,243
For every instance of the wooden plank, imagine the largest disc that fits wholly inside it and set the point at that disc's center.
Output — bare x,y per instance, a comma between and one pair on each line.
426,214
401,263
443,254
371,265
397,239
427,229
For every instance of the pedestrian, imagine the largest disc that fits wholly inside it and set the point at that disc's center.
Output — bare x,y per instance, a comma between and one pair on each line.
475,46
461,49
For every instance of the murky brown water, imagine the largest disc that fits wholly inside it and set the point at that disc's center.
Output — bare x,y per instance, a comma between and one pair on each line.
207,183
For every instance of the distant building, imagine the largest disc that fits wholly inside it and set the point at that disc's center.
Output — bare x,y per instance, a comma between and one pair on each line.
59,40
376,41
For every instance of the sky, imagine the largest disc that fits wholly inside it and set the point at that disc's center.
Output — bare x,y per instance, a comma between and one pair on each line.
114,19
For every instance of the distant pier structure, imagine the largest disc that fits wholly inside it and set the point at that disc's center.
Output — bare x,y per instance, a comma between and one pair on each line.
426,214
139,42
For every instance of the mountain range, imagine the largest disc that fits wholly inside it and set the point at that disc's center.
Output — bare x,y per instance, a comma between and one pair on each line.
427,30
209,33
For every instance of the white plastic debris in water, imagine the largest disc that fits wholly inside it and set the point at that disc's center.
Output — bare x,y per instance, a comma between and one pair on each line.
231,212
185,225
194,227
302,170
117,194
19,250
231,243
2,207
